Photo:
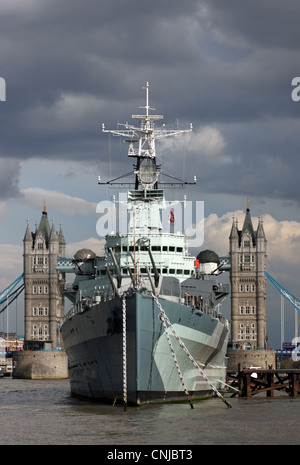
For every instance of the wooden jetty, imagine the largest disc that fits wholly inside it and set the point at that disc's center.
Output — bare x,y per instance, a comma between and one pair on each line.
249,382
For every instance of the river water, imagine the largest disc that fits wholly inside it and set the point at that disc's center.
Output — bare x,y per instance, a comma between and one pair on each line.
36,412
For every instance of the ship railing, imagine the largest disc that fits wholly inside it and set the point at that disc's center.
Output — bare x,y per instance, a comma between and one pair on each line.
222,288
208,310
84,305
197,303
77,308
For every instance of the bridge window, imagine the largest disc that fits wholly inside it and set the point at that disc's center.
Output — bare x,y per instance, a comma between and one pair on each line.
155,248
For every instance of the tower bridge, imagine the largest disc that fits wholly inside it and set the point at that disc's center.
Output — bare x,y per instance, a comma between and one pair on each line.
45,266
12,292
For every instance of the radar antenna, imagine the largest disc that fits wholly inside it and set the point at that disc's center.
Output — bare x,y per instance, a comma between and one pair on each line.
146,169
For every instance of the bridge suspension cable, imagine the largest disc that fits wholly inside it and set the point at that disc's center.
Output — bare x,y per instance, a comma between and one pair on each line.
294,301
286,294
9,295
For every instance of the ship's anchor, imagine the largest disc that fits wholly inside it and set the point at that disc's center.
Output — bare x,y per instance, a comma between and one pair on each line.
165,320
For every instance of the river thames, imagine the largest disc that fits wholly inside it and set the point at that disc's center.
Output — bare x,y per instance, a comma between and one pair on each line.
44,413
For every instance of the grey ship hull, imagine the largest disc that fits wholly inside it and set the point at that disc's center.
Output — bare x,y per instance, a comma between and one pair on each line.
94,344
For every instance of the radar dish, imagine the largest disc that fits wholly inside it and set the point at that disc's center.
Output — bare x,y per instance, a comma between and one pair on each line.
83,255
148,173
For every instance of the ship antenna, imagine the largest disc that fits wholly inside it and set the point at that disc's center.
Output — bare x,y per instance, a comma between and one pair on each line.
147,106
146,170
147,98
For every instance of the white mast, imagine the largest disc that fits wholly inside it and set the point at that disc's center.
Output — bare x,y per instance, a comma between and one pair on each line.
146,134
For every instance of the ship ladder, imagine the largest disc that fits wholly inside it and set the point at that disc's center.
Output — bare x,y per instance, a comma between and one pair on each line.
165,320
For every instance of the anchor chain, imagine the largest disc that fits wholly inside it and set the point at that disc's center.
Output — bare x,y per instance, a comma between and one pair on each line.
124,354
175,360
196,365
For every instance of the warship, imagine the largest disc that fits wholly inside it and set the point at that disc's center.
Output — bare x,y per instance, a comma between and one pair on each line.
145,325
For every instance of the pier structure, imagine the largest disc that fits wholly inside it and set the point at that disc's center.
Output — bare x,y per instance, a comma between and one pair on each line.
250,382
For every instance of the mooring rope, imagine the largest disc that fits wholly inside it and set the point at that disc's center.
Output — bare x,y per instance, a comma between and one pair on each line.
124,354
166,319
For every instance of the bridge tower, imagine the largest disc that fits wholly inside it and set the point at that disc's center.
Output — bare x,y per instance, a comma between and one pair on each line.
44,285
248,254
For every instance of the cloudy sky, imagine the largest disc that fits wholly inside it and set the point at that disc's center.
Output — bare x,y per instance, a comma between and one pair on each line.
226,67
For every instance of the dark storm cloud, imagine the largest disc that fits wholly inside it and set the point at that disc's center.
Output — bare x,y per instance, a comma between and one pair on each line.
9,178
53,49
267,24
71,65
